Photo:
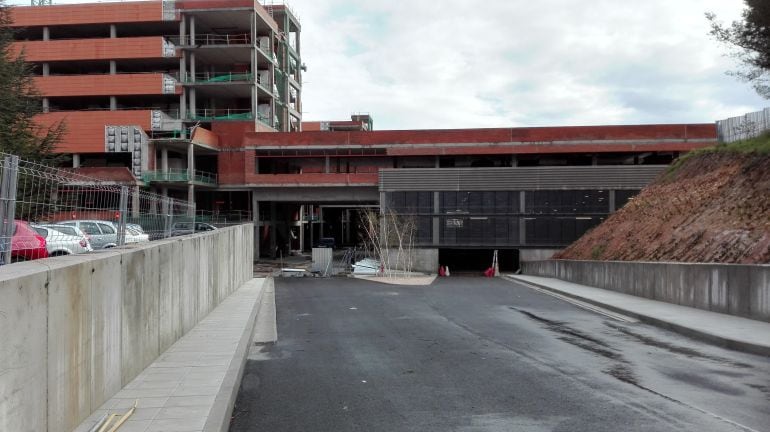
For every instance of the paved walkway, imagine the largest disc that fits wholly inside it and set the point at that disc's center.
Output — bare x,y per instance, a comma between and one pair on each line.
192,386
726,330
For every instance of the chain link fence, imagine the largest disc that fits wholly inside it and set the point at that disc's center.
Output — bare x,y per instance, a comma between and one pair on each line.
47,211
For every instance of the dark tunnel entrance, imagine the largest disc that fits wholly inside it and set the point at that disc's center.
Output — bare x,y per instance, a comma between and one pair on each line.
476,261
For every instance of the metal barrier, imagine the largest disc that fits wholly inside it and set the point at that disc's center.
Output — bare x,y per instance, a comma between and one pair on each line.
743,127
47,211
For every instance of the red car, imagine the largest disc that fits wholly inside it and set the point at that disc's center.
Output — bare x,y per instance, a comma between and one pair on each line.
26,243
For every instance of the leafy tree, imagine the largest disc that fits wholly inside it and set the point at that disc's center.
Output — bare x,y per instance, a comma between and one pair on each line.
20,102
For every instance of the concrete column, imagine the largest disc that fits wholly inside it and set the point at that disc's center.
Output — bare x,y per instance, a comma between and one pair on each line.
113,31
191,199
514,160
192,103
46,69
113,67
436,219
192,67
46,105
113,103
594,160
326,165
190,162
164,191
273,230
321,222
255,220
183,104
302,228
522,219
164,160
192,30
437,162
613,205
75,160
182,30
46,33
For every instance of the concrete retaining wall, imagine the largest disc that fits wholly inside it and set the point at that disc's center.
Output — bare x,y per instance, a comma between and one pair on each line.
424,260
741,290
76,329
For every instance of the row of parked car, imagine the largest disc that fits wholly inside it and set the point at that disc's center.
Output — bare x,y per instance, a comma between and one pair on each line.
40,240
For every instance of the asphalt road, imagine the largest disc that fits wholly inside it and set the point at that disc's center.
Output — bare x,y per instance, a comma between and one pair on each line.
470,354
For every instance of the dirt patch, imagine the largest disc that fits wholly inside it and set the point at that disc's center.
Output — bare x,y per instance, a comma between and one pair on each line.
715,207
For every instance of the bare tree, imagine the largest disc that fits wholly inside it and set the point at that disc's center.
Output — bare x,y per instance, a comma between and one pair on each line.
390,237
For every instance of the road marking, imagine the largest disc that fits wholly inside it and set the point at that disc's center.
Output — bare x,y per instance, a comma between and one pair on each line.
578,303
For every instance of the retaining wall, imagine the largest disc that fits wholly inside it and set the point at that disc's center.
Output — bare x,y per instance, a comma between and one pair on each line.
74,330
741,290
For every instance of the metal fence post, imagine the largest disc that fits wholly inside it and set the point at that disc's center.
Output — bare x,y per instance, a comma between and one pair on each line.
8,181
123,210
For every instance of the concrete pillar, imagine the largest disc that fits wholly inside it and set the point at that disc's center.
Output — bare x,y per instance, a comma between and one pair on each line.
436,219
321,222
182,30
164,191
183,105
514,160
46,105
46,33
302,228
113,103
192,104
522,219
164,160
113,31
46,69
255,220
326,165
192,30
613,205
75,160
190,162
192,67
191,199
437,162
113,67
273,229
594,160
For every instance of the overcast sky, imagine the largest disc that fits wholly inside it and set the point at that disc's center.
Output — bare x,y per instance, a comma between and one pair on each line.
496,63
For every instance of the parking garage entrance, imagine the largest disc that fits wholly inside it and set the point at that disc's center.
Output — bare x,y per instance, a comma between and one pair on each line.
476,261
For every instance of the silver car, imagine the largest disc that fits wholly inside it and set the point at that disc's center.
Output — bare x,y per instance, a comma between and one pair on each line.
102,234
59,243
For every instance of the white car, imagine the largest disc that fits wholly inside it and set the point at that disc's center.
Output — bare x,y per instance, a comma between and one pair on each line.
135,236
58,243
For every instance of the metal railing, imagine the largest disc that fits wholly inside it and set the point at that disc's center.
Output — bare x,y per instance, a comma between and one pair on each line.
221,114
48,211
178,175
218,77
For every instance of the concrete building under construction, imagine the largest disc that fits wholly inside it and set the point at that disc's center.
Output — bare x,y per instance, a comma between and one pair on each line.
202,100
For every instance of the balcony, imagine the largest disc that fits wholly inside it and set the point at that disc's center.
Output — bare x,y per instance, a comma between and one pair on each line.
180,176
221,114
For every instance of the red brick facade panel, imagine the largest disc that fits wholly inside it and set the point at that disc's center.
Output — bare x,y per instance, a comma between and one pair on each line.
205,137
148,47
85,129
93,13
428,150
486,136
101,85
231,134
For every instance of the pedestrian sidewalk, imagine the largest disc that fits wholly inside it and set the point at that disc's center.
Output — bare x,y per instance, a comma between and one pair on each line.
729,331
193,385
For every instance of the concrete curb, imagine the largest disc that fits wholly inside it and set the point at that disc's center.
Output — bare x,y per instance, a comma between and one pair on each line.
222,410
694,333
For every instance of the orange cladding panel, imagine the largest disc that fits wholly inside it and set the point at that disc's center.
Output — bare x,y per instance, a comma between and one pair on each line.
85,129
91,13
101,85
91,49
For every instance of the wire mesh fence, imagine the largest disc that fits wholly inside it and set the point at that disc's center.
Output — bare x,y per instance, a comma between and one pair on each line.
47,211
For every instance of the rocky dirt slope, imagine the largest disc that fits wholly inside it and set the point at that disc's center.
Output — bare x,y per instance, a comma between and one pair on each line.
713,206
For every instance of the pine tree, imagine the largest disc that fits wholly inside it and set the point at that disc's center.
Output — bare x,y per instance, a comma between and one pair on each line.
20,102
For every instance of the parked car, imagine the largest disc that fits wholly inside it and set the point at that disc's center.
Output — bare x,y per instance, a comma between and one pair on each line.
70,230
26,244
58,243
326,242
134,236
102,234
184,228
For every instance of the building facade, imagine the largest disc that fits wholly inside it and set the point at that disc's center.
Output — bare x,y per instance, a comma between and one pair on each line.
202,100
